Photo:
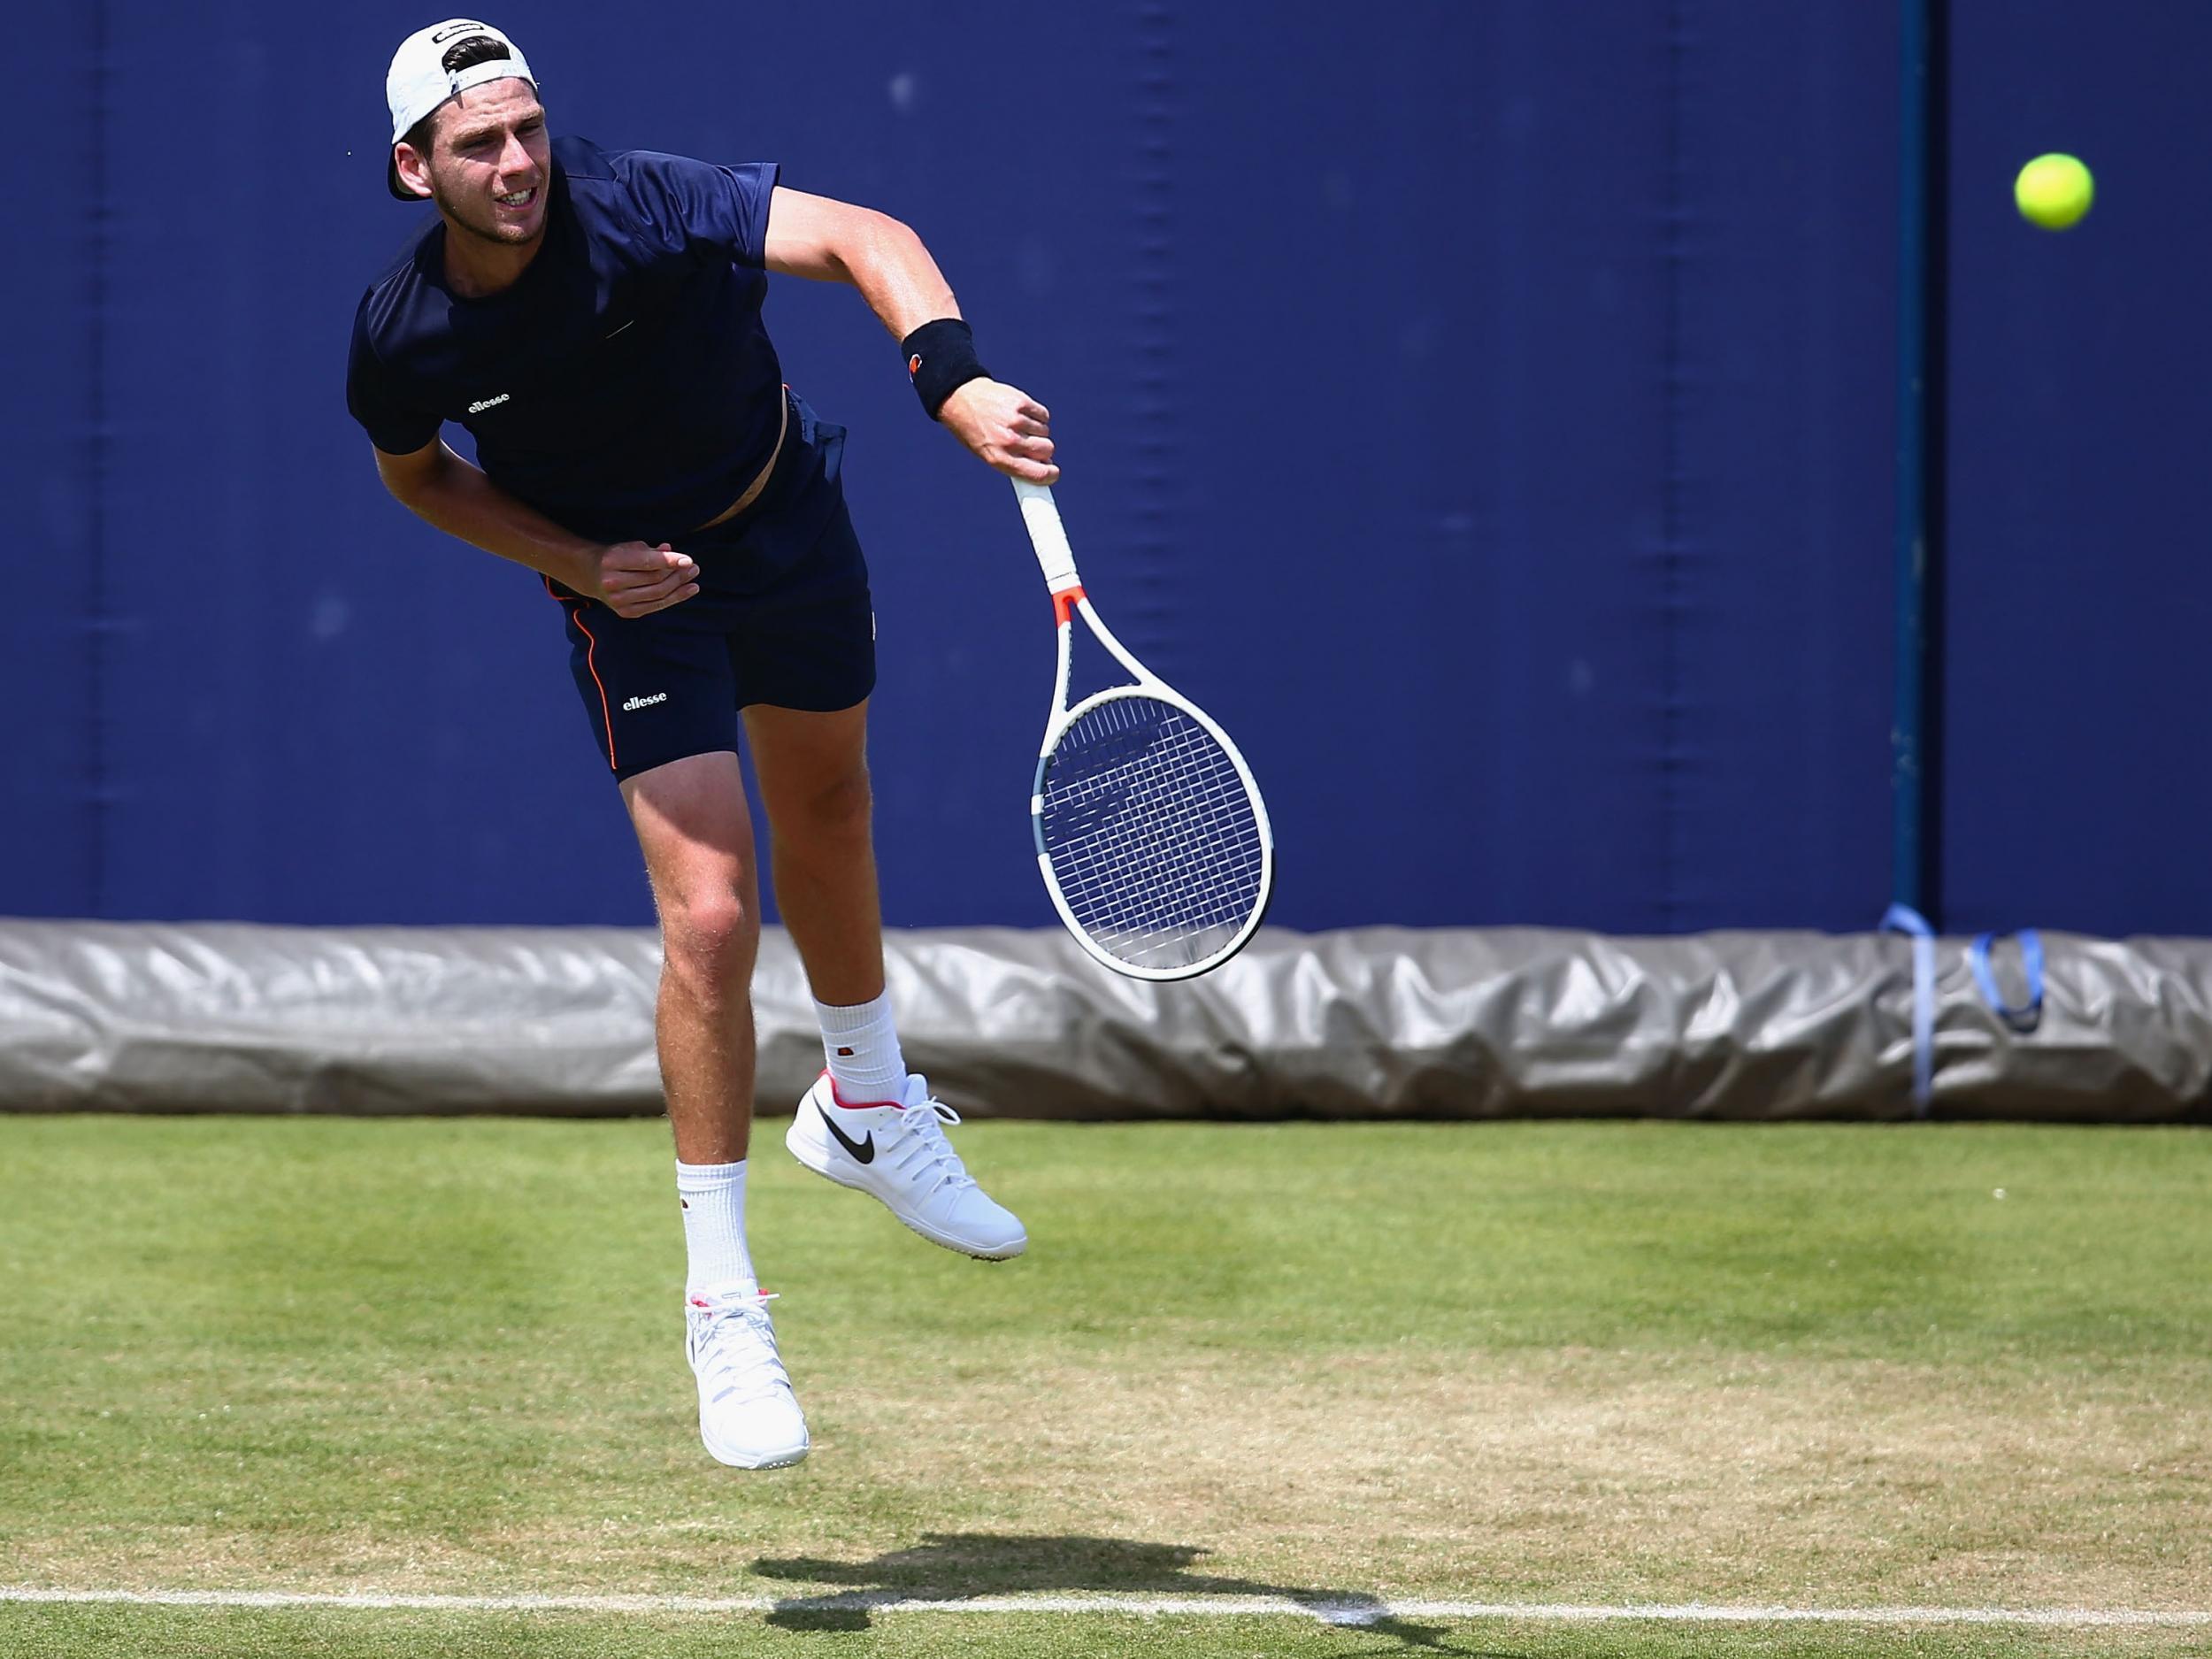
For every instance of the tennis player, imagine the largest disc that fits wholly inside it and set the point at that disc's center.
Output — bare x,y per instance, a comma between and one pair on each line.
592,318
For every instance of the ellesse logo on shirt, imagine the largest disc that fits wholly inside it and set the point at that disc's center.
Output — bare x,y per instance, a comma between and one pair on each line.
635,704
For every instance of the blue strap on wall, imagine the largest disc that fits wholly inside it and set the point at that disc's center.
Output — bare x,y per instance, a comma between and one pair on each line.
1902,918
2025,1016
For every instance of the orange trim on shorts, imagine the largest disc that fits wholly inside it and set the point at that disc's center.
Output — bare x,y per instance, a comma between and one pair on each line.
605,713
1063,605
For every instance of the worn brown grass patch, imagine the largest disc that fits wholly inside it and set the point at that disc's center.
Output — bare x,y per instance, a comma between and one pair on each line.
1562,1476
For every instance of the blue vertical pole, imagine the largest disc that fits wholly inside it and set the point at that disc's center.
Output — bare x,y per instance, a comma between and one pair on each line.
1915,846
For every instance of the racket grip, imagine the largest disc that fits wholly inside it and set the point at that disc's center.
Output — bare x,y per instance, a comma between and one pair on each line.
1046,535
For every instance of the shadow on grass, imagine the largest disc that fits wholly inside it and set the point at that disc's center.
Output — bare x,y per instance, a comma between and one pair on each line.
960,1567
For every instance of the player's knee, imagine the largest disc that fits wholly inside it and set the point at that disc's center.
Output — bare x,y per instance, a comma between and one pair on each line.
837,813
710,939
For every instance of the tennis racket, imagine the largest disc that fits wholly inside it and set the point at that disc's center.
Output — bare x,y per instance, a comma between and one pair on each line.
1151,836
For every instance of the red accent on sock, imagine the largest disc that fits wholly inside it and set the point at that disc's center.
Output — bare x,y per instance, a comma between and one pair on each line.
844,1054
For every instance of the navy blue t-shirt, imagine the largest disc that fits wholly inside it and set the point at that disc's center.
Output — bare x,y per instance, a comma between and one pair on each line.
624,385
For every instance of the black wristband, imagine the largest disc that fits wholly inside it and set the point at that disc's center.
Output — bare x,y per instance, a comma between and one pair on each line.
940,359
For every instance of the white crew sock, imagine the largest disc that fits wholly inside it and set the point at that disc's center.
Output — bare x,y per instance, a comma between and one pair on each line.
863,1045
713,1196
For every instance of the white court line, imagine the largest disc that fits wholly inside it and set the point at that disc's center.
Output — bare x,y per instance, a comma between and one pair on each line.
1328,1612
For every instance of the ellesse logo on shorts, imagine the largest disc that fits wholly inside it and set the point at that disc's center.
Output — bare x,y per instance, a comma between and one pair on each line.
635,704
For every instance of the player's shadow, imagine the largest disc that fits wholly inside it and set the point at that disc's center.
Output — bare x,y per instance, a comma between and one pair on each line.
966,1567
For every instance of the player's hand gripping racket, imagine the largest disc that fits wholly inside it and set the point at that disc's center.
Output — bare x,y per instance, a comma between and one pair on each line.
1150,832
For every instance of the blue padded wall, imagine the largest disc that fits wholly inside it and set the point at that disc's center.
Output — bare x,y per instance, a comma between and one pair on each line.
2080,588
53,648
1487,414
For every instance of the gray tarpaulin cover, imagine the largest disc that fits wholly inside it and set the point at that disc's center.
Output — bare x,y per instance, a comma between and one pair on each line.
1368,1022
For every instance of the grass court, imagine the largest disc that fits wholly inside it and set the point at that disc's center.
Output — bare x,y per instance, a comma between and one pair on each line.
1291,1382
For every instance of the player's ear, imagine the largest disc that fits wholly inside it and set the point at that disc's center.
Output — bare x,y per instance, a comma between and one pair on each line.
413,168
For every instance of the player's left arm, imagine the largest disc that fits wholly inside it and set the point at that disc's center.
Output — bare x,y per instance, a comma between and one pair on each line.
835,242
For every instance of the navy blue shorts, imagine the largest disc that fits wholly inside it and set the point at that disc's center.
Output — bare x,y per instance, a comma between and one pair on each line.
782,617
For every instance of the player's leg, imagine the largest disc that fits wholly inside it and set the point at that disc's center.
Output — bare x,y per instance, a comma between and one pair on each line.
697,837
866,1122
812,769
661,700
696,833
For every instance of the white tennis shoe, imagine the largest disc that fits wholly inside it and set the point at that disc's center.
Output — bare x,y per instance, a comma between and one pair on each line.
748,1417
896,1151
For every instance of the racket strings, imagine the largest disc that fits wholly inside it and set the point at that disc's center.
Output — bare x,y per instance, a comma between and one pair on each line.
1151,834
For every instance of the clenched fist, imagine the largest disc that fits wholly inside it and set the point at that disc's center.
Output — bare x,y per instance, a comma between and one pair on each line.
1005,427
633,579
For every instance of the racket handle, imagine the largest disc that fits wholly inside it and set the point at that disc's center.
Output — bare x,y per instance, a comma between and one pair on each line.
1046,535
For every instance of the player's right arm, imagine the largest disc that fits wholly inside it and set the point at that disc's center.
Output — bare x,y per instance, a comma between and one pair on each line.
629,578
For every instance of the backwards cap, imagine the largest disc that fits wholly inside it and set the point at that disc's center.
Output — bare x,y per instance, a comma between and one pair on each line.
419,80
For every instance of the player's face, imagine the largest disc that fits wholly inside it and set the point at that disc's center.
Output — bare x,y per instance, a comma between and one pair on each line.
490,161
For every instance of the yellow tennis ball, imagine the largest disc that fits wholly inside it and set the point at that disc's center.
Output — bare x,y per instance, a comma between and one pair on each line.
2054,191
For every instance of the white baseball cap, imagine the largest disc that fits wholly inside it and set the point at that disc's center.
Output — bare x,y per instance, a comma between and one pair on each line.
419,80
